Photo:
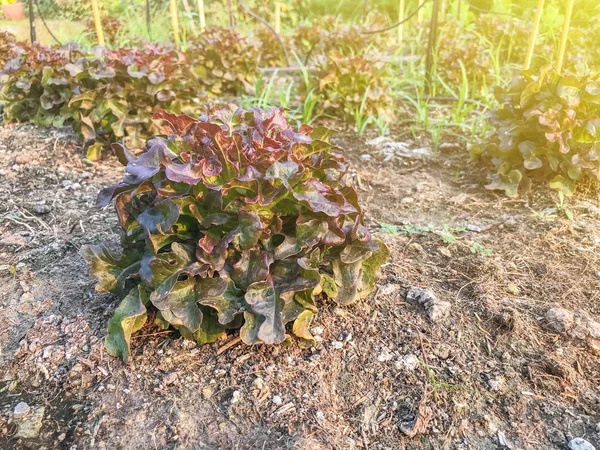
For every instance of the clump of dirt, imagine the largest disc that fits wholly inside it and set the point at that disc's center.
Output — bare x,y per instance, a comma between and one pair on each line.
491,372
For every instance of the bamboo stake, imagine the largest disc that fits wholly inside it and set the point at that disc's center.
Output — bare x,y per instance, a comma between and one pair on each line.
420,15
201,15
175,21
432,45
188,10
443,10
400,19
534,33
148,19
278,17
98,22
563,36
32,35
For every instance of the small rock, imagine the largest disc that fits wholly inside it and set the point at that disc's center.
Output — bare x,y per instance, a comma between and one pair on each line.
445,252
415,246
559,320
40,208
320,416
474,228
62,437
317,331
390,289
513,289
171,378
277,400
336,345
3,172
258,383
75,186
365,157
385,355
407,363
31,425
66,184
23,159
442,351
236,397
584,326
407,201
207,392
436,309
21,410
580,444
496,384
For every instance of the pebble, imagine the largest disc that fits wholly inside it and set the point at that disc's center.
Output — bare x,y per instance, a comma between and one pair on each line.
277,400
31,425
559,319
580,444
3,172
408,363
317,331
436,309
40,208
21,410
390,289
385,355
23,159
336,345
236,397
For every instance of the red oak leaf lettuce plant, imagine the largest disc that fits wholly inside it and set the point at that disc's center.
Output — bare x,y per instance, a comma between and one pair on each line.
549,127
233,221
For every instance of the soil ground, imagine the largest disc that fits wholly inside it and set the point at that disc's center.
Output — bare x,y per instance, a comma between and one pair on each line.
493,373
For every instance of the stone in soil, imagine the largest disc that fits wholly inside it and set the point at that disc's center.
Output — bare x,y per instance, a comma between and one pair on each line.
559,320
580,444
436,309
21,410
30,426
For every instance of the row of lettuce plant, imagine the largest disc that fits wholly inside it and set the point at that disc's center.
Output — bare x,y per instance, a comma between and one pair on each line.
108,95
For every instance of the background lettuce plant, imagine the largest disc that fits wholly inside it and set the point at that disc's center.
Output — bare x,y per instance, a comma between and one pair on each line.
549,126
354,86
234,220
224,61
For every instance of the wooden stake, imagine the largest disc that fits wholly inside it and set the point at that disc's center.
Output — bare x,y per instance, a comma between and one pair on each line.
564,35
98,22
32,35
188,10
420,15
432,45
443,10
400,19
533,36
231,18
148,20
278,17
175,21
201,15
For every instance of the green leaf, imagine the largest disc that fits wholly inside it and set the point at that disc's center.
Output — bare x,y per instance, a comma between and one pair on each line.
265,303
113,273
128,318
328,286
176,301
301,327
209,331
222,296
